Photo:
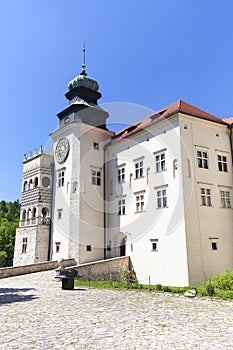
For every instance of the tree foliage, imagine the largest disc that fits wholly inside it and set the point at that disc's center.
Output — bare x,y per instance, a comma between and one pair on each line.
9,221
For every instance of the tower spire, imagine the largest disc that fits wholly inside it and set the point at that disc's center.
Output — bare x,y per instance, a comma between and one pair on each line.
84,60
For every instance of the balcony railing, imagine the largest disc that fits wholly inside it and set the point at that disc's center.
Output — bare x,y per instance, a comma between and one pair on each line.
35,221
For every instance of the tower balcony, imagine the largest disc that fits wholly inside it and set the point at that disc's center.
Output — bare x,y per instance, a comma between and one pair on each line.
35,221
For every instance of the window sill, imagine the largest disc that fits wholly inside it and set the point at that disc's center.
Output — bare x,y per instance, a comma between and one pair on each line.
161,171
162,208
140,177
139,212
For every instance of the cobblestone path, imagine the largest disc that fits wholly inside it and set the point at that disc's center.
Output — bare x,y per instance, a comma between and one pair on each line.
35,313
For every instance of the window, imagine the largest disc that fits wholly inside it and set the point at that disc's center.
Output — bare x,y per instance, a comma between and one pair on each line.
59,214
88,248
139,203
160,162
121,207
57,247
154,244
96,177
162,198
61,177
46,182
225,199
202,159
121,175
96,145
139,169
36,182
206,197
25,186
213,243
222,163
24,245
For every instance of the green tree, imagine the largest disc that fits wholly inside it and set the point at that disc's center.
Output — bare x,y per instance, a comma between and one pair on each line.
9,221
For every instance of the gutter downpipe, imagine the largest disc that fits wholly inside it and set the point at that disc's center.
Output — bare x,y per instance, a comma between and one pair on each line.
105,206
231,142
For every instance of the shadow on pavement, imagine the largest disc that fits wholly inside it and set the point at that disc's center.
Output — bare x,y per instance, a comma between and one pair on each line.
15,295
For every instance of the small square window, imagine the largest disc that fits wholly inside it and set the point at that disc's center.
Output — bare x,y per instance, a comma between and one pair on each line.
96,145
214,246
154,244
57,247
59,214
88,248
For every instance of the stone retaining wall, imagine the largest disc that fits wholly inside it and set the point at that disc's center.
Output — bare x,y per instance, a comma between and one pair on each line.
104,270
25,269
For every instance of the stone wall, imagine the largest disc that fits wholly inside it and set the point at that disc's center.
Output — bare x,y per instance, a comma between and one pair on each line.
104,269
25,269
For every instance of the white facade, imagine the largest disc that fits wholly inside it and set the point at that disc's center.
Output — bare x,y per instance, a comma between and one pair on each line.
159,191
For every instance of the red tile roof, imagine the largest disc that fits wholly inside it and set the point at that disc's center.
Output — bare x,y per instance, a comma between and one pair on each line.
176,107
228,120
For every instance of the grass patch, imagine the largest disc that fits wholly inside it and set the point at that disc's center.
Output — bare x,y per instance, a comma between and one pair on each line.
99,284
220,286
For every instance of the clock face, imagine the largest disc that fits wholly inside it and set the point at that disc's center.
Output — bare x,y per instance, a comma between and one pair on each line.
62,150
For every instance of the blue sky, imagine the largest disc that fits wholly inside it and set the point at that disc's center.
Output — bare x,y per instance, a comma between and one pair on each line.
150,52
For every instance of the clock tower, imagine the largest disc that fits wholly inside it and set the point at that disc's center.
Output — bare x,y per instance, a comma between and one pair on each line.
78,183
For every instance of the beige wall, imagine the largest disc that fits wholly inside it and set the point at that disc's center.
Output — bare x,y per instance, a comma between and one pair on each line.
204,222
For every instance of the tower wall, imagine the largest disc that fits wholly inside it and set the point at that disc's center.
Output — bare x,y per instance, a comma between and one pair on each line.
33,234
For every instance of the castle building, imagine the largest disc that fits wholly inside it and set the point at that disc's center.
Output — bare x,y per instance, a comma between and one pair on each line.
159,191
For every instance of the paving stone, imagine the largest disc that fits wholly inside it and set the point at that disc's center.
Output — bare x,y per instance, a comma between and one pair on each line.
36,314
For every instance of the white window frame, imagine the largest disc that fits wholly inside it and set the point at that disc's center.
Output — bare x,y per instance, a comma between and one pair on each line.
222,163
139,169
96,177
24,245
202,159
206,196
161,197
160,161
225,199
140,201
121,206
61,177
121,174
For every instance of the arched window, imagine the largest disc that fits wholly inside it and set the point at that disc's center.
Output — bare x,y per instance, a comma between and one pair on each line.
36,182
29,214
45,212
34,213
25,186
30,184
45,182
23,215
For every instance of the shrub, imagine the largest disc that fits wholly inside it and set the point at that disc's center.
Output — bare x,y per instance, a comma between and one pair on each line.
159,287
210,289
130,278
223,281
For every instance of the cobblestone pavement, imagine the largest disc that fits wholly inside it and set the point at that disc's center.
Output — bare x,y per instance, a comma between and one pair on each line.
35,313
